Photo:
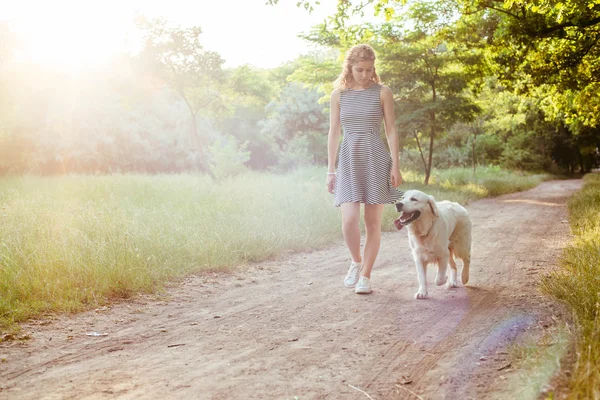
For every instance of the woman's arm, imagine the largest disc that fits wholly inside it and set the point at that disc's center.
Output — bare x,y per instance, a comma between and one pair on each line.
387,101
333,140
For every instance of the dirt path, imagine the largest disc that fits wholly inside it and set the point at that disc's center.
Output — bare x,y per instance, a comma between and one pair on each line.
289,328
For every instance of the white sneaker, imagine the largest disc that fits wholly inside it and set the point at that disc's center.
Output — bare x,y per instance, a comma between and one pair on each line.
352,275
363,286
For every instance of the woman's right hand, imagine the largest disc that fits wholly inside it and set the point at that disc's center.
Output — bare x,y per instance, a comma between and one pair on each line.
330,183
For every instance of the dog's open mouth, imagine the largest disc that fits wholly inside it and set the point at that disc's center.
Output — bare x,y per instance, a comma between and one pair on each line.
406,218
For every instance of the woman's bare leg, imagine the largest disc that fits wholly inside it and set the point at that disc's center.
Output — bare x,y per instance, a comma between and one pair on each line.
351,229
373,213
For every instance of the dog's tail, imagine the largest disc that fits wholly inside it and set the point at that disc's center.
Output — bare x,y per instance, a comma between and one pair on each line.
465,269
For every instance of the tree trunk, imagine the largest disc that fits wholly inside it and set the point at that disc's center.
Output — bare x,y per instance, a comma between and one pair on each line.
416,135
473,150
430,159
473,161
196,140
431,137
580,159
401,140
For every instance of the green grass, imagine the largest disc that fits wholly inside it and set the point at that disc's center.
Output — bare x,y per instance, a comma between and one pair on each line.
536,360
75,242
577,284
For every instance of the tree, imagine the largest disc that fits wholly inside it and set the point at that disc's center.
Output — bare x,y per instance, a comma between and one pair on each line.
428,75
317,70
176,55
555,44
546,53
426,71
297,126
251,89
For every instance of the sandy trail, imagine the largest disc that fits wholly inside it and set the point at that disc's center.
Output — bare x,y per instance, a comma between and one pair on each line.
289,328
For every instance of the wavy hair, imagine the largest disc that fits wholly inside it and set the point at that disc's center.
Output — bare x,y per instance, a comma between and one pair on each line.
358,53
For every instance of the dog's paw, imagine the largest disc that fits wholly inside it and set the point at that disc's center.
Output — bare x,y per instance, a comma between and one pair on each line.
441,280
452,284
420,295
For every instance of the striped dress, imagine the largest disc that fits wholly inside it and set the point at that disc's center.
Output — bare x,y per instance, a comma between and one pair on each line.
364,166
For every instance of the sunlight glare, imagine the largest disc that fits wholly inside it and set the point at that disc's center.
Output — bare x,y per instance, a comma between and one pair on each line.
70,35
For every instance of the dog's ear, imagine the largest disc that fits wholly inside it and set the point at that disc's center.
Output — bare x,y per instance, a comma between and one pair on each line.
433,206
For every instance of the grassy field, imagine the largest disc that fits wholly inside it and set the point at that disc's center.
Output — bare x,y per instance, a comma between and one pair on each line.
73,242
577,283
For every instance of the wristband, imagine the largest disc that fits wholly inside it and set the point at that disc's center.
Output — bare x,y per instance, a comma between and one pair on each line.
331,173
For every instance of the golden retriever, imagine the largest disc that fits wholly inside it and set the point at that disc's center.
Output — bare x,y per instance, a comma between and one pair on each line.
437,232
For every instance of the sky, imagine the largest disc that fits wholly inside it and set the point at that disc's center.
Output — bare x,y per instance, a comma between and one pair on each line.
241,31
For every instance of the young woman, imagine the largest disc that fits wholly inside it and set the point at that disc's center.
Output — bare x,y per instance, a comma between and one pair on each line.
366,172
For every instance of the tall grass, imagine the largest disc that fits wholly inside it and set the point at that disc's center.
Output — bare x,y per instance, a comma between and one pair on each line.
69,243
577,284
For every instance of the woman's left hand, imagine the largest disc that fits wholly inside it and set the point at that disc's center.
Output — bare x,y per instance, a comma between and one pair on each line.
396,177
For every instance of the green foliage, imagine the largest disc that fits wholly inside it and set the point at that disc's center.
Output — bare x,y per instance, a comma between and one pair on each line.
317,70
122,125
177,56
451,156
475,83
252,84
553,43
428,76
228,158
544,53
520,134
488,148
251,89
520,153
297,126
488,181
576,284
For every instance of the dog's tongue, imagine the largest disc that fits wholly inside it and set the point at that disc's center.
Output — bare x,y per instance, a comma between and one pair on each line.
398,223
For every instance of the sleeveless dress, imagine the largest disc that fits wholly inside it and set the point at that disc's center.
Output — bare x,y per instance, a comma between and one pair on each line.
364,166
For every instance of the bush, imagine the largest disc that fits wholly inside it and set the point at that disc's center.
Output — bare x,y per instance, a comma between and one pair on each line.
452,156
228,158
521,153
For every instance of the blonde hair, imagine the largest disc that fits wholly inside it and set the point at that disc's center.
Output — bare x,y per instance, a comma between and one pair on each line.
358,53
